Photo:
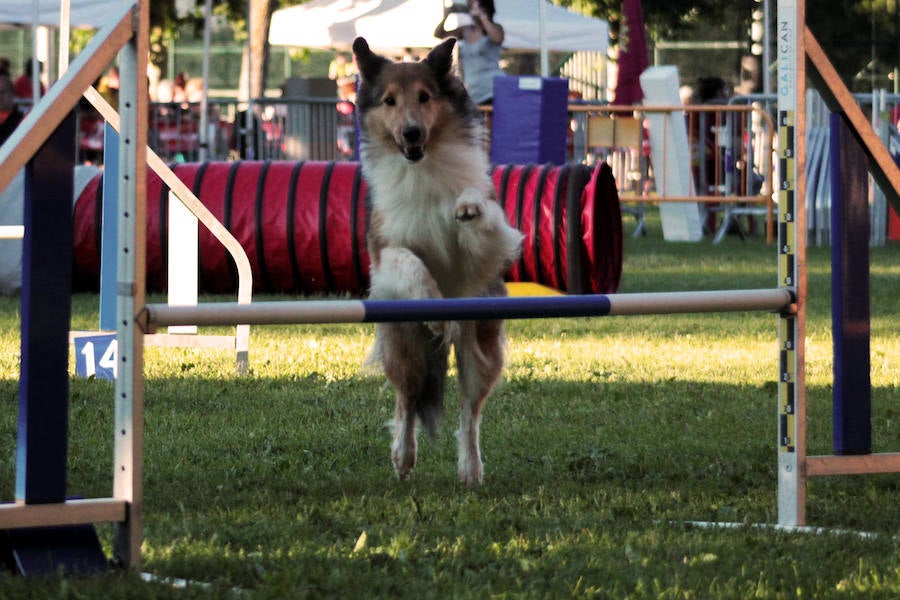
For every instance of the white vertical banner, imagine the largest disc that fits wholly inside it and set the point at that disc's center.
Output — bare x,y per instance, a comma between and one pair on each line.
183,257
670,152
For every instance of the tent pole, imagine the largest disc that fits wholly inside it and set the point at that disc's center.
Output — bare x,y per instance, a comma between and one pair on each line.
542,33
64,26
204,100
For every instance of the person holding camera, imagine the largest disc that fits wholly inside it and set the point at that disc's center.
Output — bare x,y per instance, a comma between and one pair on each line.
480,41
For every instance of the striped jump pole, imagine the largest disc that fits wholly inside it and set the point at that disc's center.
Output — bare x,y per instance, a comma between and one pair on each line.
382,311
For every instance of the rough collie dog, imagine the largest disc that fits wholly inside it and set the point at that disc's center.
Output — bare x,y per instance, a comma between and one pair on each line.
436,231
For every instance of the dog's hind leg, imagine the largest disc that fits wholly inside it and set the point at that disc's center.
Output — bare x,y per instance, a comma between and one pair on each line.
415,362
413,355
479,359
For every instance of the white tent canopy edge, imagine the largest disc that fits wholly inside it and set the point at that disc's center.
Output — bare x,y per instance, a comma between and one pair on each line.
393,25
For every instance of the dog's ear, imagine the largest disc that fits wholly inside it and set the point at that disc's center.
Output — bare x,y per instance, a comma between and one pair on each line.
441,57
368,62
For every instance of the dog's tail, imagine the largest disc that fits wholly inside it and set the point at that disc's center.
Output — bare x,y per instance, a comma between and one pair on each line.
431,368
430,403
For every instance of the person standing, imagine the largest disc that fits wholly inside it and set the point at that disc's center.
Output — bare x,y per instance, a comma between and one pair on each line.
343,72
22,85
109,86
10,115
480,41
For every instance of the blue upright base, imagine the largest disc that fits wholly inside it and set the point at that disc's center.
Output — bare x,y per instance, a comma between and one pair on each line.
74,549
109,237
47,251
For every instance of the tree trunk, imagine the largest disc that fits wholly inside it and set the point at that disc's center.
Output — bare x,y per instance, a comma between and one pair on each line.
259,18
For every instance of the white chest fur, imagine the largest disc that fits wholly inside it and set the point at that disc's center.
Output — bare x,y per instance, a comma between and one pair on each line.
416,207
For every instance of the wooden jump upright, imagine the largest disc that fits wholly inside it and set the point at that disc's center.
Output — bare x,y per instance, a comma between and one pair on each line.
800,55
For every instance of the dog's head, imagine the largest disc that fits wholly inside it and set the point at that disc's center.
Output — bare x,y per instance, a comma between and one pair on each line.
405,105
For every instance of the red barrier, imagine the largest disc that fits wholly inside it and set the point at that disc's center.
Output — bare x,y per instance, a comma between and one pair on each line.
303,226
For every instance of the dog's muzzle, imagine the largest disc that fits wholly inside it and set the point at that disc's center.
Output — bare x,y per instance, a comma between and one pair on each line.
413,146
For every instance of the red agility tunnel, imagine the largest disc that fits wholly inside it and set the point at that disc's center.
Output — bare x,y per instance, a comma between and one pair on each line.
303,226
580,255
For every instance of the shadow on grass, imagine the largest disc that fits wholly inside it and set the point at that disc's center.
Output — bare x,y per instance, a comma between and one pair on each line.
674,449
286,483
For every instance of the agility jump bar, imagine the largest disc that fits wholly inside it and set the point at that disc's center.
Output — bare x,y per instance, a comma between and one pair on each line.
464,309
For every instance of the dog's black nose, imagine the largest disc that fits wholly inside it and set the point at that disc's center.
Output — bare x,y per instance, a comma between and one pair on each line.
412,134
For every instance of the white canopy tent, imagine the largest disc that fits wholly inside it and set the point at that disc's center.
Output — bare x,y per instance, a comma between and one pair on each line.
83,13
89,14
392,25
61,14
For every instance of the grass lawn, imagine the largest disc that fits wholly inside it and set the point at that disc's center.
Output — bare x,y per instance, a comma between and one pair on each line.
606,439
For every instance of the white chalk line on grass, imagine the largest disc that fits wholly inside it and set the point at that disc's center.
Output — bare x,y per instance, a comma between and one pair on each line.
785,528
180,584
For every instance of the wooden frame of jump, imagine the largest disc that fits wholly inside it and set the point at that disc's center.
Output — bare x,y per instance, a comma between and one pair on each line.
135,317
124,35
798,50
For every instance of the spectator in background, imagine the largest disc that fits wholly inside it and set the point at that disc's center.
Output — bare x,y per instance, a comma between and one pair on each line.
706,131
22,85
5,66
193,89
109,86
179,93
10,115
343,72
165,91
480,41
703,129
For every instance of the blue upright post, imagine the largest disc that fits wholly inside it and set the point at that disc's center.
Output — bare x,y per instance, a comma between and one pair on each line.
852,405
46,310
109,229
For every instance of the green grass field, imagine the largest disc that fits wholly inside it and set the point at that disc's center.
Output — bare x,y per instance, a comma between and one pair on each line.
606,439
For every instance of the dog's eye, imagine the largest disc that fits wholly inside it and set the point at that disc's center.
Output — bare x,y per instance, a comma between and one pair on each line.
424,97
390,101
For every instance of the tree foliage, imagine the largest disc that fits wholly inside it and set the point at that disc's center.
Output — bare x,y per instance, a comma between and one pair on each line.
676,19
861,37
252,18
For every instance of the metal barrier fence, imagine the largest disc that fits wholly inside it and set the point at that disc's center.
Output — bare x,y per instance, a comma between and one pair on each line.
263,129
730,146
730,152
301,129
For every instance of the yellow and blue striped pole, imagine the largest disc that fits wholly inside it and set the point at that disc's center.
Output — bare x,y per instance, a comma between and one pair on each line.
791,86
531,307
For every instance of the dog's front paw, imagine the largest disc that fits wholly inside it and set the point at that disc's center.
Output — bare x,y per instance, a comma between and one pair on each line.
469,205
471,474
